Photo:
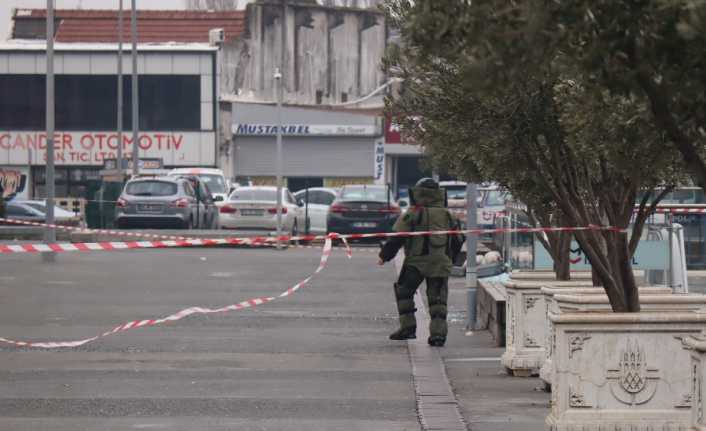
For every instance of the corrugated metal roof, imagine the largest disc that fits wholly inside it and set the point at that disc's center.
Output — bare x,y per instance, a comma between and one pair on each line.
152,25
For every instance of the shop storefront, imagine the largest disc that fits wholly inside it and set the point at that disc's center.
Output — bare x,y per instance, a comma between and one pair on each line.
320,147
177,93
404,159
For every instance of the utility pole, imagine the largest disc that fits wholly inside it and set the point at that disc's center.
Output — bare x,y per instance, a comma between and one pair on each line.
471,249
119,158
50,233
279,90
135,104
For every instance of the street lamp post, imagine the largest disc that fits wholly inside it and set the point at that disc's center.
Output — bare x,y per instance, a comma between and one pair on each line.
278,157
119,158
135,105
50,232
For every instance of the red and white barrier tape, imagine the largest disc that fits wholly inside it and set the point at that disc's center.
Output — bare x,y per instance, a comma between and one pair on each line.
134,324
101,231
259,241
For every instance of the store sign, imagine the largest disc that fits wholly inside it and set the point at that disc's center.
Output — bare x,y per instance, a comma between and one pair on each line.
13,181
303,130
379,167
111,164
393,132
649,255
94,148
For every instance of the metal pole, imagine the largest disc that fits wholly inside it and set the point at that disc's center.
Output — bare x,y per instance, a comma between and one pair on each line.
135,105
50,233
278,89
119,156
471,248
670,266
278,157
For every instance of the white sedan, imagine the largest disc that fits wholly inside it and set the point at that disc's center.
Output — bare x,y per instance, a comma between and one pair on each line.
317,202
256,208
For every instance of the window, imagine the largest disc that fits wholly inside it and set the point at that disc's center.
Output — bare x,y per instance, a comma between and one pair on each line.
89,102
17,211
23,101
364,193
327,198
151,188
215,182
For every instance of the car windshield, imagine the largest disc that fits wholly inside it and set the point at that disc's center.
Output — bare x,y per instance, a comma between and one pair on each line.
456,192
496,198
215,183
151,188
269,195
364,194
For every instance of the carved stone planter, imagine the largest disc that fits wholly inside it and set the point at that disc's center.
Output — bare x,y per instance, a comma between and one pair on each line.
560,288
543,275
697,346
622,370
526,317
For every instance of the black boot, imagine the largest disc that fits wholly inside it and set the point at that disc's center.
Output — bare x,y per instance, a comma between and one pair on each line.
404,334
436,341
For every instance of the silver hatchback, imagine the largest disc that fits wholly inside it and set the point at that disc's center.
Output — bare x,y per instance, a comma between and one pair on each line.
161,202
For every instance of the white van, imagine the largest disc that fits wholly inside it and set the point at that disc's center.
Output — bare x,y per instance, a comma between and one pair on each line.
216,181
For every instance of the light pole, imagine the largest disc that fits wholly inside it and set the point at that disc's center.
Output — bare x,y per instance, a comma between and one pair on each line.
119,156
135,105
278,157
50,233
471,248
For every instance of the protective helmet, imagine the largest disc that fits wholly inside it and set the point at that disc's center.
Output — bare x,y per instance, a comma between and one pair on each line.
427,183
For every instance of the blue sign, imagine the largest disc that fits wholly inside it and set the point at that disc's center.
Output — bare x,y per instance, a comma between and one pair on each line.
649,255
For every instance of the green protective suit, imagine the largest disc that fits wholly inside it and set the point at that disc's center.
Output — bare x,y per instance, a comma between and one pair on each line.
426,257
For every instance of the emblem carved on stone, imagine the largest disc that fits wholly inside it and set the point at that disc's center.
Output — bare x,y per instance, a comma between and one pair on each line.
696,391
530,301
530,342
576,343
685,402
576,398
633,382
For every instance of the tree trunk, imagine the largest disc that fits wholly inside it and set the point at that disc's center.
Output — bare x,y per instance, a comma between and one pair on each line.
562,261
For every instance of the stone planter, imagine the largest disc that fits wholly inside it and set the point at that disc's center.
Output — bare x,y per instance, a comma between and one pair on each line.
616,371
697,346
558,288
548,275
526,317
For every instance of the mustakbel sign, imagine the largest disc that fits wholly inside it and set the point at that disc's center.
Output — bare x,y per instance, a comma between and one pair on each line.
304,130
94,148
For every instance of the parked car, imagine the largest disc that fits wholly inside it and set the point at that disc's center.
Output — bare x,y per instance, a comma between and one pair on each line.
216,181
256,208
363,209
158,202
207,211
317,201
35,211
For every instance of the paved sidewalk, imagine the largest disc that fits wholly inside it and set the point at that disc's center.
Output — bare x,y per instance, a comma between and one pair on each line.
490,399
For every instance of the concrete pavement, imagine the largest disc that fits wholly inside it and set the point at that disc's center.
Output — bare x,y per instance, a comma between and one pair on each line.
319,360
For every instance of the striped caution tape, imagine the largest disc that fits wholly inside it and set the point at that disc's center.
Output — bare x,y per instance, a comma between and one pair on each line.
261,240
134,324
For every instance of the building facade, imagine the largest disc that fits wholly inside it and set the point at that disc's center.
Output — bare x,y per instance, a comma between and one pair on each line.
320,147
177,110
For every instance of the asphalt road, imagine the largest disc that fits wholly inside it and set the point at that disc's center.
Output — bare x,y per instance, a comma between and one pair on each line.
319,360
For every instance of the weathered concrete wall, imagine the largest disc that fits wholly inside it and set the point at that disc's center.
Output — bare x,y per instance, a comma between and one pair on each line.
332,55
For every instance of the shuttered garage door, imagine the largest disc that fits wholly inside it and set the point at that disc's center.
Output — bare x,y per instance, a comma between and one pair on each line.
305,156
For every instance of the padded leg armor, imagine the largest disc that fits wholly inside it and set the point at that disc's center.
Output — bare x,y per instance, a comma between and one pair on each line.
409,281
437,298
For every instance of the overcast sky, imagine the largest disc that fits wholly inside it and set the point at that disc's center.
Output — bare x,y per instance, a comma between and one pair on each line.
6,7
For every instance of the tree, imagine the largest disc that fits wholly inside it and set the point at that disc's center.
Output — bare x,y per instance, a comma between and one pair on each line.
549,133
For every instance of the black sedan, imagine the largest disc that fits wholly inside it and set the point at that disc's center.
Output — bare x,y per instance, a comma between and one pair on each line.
362,209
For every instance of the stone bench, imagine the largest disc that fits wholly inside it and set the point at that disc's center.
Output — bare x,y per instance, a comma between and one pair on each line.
491,309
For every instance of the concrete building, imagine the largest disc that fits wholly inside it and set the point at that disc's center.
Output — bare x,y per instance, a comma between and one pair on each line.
177,113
